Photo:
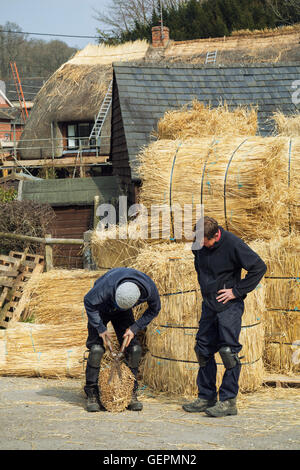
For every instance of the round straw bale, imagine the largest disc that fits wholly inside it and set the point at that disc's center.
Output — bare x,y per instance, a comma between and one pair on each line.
245,183
281,283
116,395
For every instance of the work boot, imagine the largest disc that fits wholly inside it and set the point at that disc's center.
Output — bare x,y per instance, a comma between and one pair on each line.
93,399
135,404
199,405
223,408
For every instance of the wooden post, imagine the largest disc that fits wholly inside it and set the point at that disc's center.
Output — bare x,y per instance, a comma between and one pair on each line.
48,254
96,218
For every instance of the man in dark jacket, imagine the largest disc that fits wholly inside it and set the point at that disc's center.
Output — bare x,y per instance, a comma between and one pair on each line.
218,263
111,299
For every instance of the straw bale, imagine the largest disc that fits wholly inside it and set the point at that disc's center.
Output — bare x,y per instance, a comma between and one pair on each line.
46,350
282,320
116,395
289,126
242,182
57,295
170,364
201,120
43,350
116,246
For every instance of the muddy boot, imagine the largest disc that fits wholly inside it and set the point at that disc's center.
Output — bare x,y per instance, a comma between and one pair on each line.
223,408
135,404
199,405
93,399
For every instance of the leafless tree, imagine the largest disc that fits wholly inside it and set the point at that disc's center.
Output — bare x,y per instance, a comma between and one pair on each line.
276,6
122,14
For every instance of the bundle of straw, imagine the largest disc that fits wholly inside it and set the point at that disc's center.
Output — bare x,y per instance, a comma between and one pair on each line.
282,320
170,365
242,183
46,350
116,246
116,394
289,126
43,350
57,295
201,120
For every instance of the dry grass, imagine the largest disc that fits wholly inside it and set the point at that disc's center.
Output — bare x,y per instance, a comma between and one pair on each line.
104,54
201,121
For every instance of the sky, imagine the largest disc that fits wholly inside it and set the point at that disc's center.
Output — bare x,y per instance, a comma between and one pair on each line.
69,17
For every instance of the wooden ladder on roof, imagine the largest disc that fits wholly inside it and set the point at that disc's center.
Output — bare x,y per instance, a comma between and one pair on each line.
100,118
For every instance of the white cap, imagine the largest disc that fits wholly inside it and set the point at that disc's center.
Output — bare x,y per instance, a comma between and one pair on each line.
127,294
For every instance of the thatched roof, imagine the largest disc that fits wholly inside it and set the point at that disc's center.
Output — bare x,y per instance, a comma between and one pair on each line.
74,93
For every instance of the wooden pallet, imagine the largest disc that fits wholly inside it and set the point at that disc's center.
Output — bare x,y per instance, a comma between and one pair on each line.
279,380
16,269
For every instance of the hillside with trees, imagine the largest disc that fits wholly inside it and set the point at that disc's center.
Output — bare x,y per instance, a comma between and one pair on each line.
194,19
34,57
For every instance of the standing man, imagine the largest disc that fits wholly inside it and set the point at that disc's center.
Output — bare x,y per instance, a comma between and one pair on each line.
218,264
111,299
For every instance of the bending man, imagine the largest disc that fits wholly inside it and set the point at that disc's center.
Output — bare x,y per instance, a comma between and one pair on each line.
111,299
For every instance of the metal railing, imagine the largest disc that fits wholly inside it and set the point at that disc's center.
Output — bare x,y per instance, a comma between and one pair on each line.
46,151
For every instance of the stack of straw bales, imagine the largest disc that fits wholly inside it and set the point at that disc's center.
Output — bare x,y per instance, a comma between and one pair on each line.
249,184
245,183
170,364
282,285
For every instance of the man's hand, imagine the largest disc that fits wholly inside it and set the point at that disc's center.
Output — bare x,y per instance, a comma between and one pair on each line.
226,295
129,335
106,339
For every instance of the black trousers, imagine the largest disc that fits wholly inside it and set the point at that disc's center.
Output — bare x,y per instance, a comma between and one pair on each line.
121,320
217,329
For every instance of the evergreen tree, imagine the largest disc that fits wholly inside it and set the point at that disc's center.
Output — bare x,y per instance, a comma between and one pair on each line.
212,18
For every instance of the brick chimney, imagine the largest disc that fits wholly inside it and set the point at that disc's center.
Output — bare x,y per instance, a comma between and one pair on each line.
160,36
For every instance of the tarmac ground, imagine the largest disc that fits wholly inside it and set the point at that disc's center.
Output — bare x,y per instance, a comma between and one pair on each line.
49,414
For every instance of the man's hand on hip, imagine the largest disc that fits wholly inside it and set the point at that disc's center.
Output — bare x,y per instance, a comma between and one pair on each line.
225,295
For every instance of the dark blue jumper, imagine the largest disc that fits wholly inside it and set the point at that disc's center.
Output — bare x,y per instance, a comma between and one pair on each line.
101,308
217,268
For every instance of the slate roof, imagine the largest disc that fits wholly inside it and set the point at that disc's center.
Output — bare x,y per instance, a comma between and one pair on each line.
147,91
71,191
